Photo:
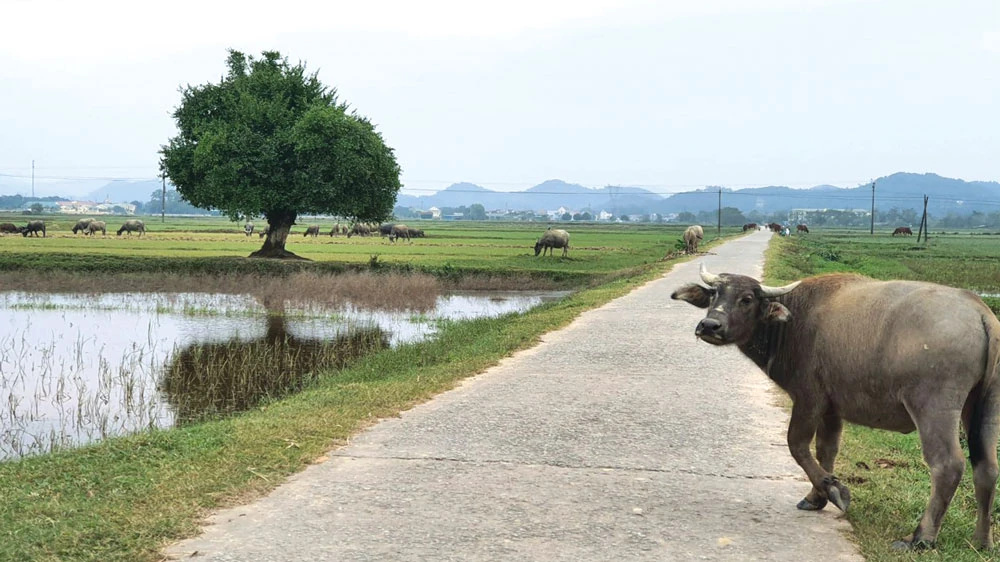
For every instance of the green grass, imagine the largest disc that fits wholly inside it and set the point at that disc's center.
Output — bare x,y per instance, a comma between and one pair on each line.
216,245
889,482
124,498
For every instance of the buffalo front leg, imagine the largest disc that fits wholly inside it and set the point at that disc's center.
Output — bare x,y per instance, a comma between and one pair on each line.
827,447
943,455
806,419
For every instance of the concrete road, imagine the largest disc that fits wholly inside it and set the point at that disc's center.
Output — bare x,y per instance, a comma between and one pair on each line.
620,437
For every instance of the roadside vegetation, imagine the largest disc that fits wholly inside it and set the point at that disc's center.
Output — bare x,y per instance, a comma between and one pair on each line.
886,473
124,498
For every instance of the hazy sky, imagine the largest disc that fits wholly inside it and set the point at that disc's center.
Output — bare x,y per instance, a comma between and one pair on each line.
663,94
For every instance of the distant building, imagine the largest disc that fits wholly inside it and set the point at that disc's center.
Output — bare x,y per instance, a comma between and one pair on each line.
604,216
92,208
435,212
799,215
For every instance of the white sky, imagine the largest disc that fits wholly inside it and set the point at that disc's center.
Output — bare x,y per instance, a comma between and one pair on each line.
664,94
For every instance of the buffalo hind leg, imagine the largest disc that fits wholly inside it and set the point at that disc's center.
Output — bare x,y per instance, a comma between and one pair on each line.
804,424
983,428
943,455
827,447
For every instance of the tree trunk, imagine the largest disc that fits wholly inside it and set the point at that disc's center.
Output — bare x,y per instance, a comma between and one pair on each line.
279,226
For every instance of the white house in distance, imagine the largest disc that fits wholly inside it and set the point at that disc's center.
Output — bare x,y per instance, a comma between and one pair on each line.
92,208
435,212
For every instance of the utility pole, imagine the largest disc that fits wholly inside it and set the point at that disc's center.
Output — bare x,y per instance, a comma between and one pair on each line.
163,198
718,228
924,227
32,179
873,208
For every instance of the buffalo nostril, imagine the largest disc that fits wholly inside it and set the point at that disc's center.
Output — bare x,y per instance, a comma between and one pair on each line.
707,326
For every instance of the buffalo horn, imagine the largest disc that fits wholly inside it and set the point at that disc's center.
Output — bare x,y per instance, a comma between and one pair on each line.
710,279
771,292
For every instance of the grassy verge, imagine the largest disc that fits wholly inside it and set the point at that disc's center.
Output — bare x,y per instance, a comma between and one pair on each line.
889,481
124,498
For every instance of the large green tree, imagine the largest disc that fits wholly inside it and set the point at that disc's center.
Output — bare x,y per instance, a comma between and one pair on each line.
270,139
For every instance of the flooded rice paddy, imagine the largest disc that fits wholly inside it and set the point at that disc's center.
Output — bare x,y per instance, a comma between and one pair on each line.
78,368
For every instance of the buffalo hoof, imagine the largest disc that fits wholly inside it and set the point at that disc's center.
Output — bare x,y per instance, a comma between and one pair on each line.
911,545
839,494
806,505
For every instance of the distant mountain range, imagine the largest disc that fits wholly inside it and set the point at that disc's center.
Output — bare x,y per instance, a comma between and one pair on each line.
902,190
126,191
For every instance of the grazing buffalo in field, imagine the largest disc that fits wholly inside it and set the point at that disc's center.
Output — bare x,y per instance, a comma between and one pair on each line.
802,228
97,226
33,227
312,230
337,229
896,355
359,229
264,232
552,239
692,236
386,229
134,225
417,233
248,229
903,231
81,225
9,228
749,226
399,231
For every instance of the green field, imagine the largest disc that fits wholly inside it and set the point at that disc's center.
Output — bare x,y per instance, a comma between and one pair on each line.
197,244
889,481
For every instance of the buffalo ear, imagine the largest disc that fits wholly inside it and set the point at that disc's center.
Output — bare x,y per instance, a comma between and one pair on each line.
777,312
694,294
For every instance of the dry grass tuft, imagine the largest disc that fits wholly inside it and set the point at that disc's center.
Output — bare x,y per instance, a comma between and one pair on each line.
390,291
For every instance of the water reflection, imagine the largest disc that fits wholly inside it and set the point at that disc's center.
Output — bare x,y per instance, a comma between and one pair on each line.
78,368
207,379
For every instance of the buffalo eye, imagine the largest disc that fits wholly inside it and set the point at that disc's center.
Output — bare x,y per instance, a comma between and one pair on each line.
746,300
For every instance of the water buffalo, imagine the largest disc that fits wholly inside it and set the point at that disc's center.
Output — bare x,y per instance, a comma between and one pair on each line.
774,227
312,230
692,236
264,232
802,228
749,226
336,230
33,227
359,229
9,228
248,229
903,231
552,239
97,226
399,231
417,233
81,225
896,355
385,229
134,225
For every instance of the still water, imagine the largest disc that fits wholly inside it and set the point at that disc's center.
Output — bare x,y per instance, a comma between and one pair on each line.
78,368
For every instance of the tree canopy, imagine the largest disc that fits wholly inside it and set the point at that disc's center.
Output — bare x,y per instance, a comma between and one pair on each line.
271,140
